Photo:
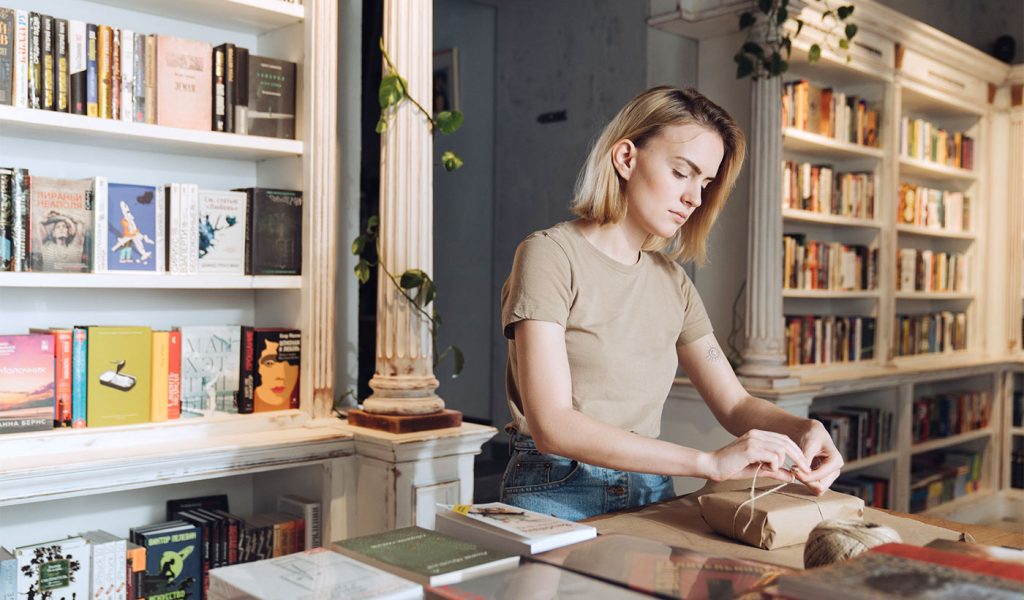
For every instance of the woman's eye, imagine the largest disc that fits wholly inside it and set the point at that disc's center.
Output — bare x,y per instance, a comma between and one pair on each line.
678,175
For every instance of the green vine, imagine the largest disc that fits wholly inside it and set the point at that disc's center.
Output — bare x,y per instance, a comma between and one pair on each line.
761,55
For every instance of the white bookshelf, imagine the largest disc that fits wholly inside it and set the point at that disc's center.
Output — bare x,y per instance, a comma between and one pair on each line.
798,140
807,216
931,232
931,170
251,16
150,281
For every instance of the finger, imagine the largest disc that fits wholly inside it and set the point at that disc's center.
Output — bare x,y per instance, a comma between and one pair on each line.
793,451
830,464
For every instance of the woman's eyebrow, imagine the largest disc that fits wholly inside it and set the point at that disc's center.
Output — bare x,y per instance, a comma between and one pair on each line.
693,165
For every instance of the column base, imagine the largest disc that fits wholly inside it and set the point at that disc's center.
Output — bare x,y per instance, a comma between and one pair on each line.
769,382
405,423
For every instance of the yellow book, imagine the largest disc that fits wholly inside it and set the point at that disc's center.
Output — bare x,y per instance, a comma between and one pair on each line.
158,396
104,39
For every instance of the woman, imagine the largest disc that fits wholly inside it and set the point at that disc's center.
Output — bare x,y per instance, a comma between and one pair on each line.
599,314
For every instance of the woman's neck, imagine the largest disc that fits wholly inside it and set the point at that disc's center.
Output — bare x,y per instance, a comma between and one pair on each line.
618,241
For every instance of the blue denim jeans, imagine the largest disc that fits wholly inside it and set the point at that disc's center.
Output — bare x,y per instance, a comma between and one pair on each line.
569,489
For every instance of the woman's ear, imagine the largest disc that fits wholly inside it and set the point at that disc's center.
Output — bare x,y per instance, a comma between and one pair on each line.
624,158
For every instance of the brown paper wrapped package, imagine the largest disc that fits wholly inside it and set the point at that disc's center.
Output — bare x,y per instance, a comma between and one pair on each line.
783,518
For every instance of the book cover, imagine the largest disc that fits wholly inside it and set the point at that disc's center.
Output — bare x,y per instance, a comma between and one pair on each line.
183,83
20,189
533,580
77,64
7,32
6,222
161,364
957,560
62,347
271,98
119,375
241,91
61,222
209,368
57,569
129,229
79,376
212,502
274,232
665,571
27,383
878,576
309,575
509,528
222,232
275,373
173,561
424,556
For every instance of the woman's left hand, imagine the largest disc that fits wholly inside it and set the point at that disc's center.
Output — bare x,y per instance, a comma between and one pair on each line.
822,455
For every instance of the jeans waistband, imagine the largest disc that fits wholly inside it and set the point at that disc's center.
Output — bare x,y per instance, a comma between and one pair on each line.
518,441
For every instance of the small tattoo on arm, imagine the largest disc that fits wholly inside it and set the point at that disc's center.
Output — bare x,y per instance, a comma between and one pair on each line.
713,353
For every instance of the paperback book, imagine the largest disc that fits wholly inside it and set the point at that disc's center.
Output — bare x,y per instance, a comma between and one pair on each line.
273,232
129,228
509,528
222,232
27,383
532,580
173,560
271,98
57,569
183,86
120,374
209,369
61,222
269,371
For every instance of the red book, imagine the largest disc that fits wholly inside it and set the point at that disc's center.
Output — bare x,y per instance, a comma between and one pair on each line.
963,562
174,375
62,374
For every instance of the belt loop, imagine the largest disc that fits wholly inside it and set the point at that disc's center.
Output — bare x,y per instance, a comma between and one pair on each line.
512,433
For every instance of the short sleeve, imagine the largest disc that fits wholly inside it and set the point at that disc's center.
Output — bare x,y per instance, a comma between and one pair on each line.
696,323
539,286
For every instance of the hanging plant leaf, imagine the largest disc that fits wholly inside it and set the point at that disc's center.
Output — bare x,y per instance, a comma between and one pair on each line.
358,244
449,121
799,27
781,16
411,279
814,54
371,224
746,20
362,270
391,90
844,11
744,66
851,30
787,45
450,160
382,124
753,48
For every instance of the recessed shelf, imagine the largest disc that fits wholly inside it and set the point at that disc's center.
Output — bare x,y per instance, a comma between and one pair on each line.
934,296
833,294
798,140
806,216
953,440
66,128
933,170
934,232
251,16
156,281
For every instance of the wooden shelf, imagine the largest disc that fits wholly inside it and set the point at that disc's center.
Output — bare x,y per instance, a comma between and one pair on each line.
1017,431
91,131
156,281
797,140
921,101
934,233
934,295
869,461
831,294
251,16
806,216
953,440
933,170
952,505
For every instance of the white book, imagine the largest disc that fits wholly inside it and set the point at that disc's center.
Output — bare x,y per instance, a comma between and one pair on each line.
309,510
8,575
20,83
177,233
99,230
309,575
77,55
191,221
109,554
509,528
127,75
221,232
61,567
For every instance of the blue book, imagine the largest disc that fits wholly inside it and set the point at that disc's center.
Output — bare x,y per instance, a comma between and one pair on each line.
92,81
79,375
129,232
8,575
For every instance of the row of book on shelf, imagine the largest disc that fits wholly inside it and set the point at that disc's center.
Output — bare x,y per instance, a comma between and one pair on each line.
950,414
474,551
874,491
930,271
67,65
943,476
828,339
933,208
816,265
831,113
923,140
95,376
929,333
93,225
820,189
858,431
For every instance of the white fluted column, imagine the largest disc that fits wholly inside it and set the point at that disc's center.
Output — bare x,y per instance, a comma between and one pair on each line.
404,381
764,357
1015,208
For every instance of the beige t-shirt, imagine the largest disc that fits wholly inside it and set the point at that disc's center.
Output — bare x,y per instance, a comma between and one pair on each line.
622,324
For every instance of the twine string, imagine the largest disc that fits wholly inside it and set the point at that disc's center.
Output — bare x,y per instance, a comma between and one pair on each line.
754,497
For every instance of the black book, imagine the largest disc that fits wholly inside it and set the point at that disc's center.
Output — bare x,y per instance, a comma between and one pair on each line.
214,502
7,56
60,65
35,60
219,108
241,91
273,232
229,85
271,111
19,219
46,47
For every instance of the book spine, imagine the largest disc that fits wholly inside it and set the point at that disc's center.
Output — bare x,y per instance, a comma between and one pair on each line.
77,60
174,375
99,237
160,233
229,88
192,226
127,85
7,34
139,83
92,76
79,376
250,213
60,68
158,394
35,57
246,371
172,200
8,578
6,208
241,90
312,516
115,74
120,574
20,183
47,61
64,349
150,78
21,45
219,116
103,71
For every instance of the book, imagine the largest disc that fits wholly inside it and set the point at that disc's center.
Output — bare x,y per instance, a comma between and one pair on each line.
119,375
159,385
46,38
998,553
273,232
79,376
126,85
21,48
209,369
35,57
509,528
173,560
61,224
60,65
108,555
129,228
425,556
221,232
219,83
173,374
62,346
957,560
269,380
8,575
532,580
57,569
308,575
7,32
27,383
270,109
183,82
92,75
6,219
78,58
309,510
875,575
104,43
20,188
665,571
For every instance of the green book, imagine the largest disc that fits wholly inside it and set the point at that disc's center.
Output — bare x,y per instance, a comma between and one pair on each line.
425,556
120,369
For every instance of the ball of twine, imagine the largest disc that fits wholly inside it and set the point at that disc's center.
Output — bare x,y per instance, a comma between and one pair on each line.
839,539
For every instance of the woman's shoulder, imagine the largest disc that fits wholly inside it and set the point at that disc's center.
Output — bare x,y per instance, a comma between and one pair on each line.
669,267
553,240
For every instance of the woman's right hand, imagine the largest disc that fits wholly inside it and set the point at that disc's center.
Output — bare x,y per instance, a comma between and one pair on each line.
756,448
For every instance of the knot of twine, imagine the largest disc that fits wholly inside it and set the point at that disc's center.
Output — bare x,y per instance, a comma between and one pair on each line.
753,498
839,539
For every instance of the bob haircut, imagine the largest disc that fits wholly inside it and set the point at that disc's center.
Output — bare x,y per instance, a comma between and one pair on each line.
599,189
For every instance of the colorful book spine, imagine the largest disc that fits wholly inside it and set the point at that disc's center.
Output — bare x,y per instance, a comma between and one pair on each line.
92,78
60,65
79,376
20,184
6,207
21,44
115,74
139,81
159,389
103,43
174,375
150,78
219,114
35,57
47,61
64,356
7,56
77,64
127,84
246,371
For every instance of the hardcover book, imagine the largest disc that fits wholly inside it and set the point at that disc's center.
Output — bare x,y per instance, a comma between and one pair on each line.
271,99
27,383
309,510
60,65
222,232
46,64
424,556
35,60
21,47
273,232
62,346
61,217
6,219
509,528
533,580
77,64
119,375
19,190
59,569
309,575
109,557
209,369
173,560
7,24
129,228
92,75
183,83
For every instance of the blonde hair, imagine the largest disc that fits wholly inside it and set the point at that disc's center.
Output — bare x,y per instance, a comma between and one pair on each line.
599,188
